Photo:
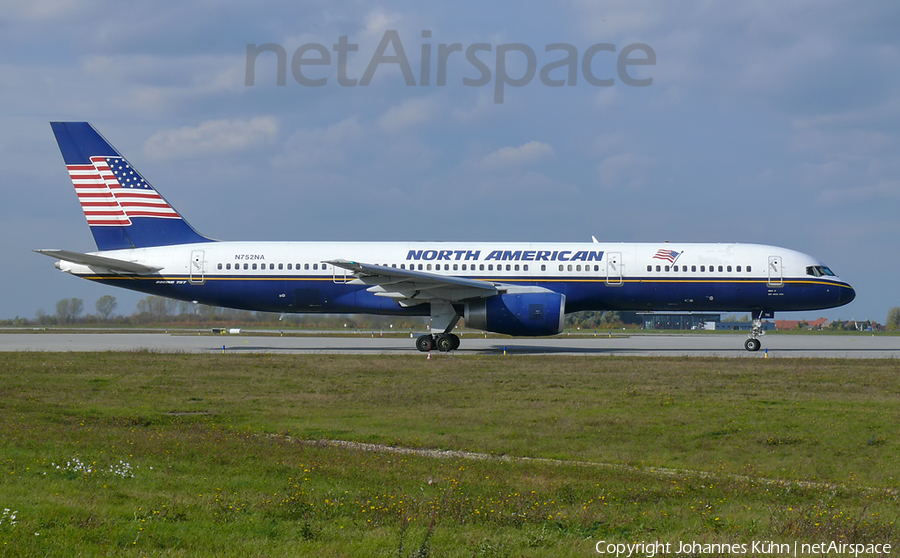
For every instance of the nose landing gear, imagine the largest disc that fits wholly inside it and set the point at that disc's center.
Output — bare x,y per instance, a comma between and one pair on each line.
753,343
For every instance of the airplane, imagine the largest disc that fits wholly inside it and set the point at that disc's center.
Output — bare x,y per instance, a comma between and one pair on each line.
514,288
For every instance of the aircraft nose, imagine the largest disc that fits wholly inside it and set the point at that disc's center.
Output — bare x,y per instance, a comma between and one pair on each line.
846,295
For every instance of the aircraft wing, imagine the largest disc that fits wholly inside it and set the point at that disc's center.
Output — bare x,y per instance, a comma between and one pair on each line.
410,287
112,264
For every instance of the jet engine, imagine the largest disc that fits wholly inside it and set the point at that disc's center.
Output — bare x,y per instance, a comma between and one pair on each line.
531,313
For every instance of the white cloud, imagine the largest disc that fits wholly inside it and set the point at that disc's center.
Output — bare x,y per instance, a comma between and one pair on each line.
409,114
885,190
44,9
320,146
377,22
517,156
212,136
624,170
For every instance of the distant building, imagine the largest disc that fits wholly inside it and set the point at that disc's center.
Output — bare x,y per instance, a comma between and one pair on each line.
653,320
738,326
821,323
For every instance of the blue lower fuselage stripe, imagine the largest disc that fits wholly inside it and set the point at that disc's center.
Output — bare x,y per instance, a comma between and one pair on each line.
321,294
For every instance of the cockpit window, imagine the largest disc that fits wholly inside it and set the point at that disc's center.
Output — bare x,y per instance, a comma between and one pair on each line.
819,270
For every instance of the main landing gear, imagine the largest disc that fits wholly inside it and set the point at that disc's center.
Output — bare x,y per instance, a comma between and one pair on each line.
753,343
444,342
443,319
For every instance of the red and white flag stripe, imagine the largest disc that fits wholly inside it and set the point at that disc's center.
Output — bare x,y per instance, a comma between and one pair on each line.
106,203
97,201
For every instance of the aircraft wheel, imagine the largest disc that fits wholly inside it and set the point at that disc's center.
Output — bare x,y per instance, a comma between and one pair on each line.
455,342
425,343
444,343
752,344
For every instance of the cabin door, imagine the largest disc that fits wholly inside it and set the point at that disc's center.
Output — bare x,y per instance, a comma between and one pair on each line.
197,268
775,271
339,275
614,269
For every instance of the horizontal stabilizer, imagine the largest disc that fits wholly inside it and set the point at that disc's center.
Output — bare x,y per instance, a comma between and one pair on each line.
111,264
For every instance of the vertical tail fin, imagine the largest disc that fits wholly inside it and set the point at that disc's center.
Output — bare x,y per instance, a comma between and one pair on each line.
121,207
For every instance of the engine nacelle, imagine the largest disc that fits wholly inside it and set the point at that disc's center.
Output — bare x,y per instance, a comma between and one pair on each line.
521,314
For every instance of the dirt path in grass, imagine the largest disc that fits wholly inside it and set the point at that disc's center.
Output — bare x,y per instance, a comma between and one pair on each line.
653,471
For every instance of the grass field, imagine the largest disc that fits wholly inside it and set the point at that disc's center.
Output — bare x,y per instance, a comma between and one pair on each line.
140,454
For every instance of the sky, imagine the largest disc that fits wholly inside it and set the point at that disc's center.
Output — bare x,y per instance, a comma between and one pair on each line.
766,122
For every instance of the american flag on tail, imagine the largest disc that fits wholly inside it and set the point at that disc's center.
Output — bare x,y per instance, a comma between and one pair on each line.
111,192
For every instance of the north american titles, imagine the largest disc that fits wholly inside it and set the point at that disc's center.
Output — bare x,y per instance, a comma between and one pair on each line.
508,255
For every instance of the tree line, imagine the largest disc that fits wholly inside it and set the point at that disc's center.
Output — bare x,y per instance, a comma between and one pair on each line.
157,310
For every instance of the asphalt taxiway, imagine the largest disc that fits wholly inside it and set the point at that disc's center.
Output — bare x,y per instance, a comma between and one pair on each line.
719,345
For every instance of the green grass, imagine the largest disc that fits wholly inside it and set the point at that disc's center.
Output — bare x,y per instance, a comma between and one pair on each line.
217,446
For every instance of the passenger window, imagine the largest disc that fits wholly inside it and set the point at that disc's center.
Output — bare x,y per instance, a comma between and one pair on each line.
420,267
693,268
517,267
254,266
596,268
481,267
305,266
290,266
316,266
543,267
280,267
246,266
738,269
507,267
428,267
219,266
402,266
490,267
455,267
324,266
525,267
569,267
729,269
702,268
667,268
560,267
227,266
720,269
658,268
463,266
748,269
649,268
